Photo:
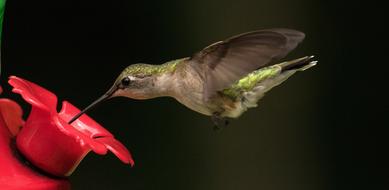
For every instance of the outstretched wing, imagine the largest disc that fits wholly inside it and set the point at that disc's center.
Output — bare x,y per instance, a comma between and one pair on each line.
224,62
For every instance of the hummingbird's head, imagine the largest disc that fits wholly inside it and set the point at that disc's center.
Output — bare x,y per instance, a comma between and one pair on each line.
136,81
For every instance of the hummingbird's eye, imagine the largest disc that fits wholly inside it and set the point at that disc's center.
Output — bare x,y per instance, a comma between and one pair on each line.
126,81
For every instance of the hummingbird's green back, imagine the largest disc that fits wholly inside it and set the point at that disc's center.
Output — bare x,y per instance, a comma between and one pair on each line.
251,80
147,69
268,77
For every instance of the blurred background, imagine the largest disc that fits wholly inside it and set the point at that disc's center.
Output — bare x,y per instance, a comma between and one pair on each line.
318,130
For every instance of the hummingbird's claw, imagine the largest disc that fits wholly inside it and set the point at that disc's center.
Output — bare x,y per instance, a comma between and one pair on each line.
218,121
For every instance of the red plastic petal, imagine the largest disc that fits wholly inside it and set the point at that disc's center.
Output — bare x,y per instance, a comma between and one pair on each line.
34,94
98,133
118,149
83,139
12,115
84,123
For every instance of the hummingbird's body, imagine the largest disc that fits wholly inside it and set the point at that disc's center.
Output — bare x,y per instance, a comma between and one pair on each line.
177,79
222,80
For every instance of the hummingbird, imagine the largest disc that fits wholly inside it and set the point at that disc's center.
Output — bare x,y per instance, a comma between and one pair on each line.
222,80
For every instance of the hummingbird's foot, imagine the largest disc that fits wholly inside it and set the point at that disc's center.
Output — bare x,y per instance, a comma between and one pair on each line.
218,121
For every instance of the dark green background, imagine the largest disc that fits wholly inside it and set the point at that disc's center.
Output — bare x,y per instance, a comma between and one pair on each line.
317,131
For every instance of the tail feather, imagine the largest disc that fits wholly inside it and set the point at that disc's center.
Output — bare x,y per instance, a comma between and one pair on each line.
298,64
288,68
253,87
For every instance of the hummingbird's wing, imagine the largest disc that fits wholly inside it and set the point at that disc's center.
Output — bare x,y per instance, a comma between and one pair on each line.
224,62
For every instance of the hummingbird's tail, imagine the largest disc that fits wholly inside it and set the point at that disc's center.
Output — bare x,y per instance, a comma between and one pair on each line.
253,87
286,69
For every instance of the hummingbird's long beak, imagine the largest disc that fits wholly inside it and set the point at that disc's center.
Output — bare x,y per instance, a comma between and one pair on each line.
105,96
